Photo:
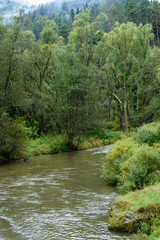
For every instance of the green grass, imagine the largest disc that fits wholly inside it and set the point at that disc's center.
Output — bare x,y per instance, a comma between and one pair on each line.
140,198
139,212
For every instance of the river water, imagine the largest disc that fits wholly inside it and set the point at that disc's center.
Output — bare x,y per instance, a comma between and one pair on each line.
59,197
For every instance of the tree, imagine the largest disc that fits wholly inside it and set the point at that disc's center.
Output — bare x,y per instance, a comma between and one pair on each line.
48,32
156,17
131,11
73,98
145,11
65,6
71,16
125,49
84,33
64,31
42,61
12,140
16,41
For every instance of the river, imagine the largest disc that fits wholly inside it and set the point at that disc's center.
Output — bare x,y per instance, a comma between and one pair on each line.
59,197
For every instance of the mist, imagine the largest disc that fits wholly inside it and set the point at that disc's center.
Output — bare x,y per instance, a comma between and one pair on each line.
9,7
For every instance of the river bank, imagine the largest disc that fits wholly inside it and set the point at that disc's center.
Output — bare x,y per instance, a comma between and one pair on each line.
51,144
138,212
133,165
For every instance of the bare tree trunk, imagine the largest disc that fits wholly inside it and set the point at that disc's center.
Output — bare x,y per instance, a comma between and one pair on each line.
121,118
157,26
146,12
125,102
153,34
121,114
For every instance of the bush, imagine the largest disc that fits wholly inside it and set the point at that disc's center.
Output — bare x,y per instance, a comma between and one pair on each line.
58,144
111,125
108,136
48,145
11,139
149,134
135,162
118,154
141,169
111,137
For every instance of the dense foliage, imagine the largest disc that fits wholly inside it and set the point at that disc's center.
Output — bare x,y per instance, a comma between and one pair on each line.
68,73
12,140
134,163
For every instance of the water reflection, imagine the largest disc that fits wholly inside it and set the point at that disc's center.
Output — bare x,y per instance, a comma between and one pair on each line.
56,197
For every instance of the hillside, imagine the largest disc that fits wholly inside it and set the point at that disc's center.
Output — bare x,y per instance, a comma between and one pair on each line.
9,7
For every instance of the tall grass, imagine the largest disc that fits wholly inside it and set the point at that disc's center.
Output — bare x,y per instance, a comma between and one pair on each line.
48,145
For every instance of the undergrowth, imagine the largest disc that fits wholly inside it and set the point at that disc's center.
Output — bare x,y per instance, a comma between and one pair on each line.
50,144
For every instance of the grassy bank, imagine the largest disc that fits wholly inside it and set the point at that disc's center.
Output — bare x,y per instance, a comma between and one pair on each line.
133,165
139,212
51,144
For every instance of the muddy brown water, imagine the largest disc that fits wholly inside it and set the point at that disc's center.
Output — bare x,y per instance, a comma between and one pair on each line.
59,197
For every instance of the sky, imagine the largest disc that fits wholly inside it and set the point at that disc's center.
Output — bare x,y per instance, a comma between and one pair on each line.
36,2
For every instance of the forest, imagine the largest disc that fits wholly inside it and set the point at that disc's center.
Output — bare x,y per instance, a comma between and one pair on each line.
87,72
70,72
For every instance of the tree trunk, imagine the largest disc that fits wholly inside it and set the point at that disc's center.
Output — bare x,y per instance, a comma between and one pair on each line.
125,102
157,26
146,13
41,125
142,112
121,118
153,34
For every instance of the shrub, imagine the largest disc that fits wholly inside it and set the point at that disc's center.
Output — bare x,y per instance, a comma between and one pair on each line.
11,139
118,154
30,130
141,169
108,136
112,136
58,144
149,134
48,145
111,125
135,162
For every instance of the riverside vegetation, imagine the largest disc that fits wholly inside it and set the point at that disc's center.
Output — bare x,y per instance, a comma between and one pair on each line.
19,142
134,165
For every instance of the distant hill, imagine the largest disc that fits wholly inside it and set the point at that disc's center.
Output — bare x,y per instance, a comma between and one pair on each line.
59,6
9,7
